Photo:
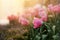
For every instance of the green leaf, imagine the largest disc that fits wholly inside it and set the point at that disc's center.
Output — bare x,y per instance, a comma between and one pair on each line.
37,37
55,37
44,37
53,28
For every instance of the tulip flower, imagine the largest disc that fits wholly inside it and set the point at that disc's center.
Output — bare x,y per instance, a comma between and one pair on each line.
37,23
23,21
12,17
54,8
37,8
50,7
44,19
43,13
57,8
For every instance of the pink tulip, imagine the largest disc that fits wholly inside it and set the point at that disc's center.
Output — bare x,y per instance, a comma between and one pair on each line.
43,14
12,17
37,22
37,8
50,7
24,21
54,8
33,12
57,8
44,19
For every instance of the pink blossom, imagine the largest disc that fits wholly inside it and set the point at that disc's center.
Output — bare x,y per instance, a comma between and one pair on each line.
50,7
37,8
33,11
54,8
44,18
23,21
43,13
12,17
57,8
37,22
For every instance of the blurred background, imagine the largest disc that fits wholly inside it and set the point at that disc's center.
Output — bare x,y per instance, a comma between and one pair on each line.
8,7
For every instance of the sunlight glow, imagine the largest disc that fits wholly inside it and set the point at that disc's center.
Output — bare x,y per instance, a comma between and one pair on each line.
8,7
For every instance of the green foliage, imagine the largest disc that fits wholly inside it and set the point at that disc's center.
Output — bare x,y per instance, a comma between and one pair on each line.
50,30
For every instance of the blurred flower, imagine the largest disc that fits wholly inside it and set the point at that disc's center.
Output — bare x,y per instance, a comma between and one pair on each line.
50,7
54,8
23,21
37,6
43,13
32,11
57,8
26,15
12,17
37,22
4,22
44,19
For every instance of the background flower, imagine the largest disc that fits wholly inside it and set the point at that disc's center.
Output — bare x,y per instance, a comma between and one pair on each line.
23,21
12,17
54,8
50,7
43,13
57,8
